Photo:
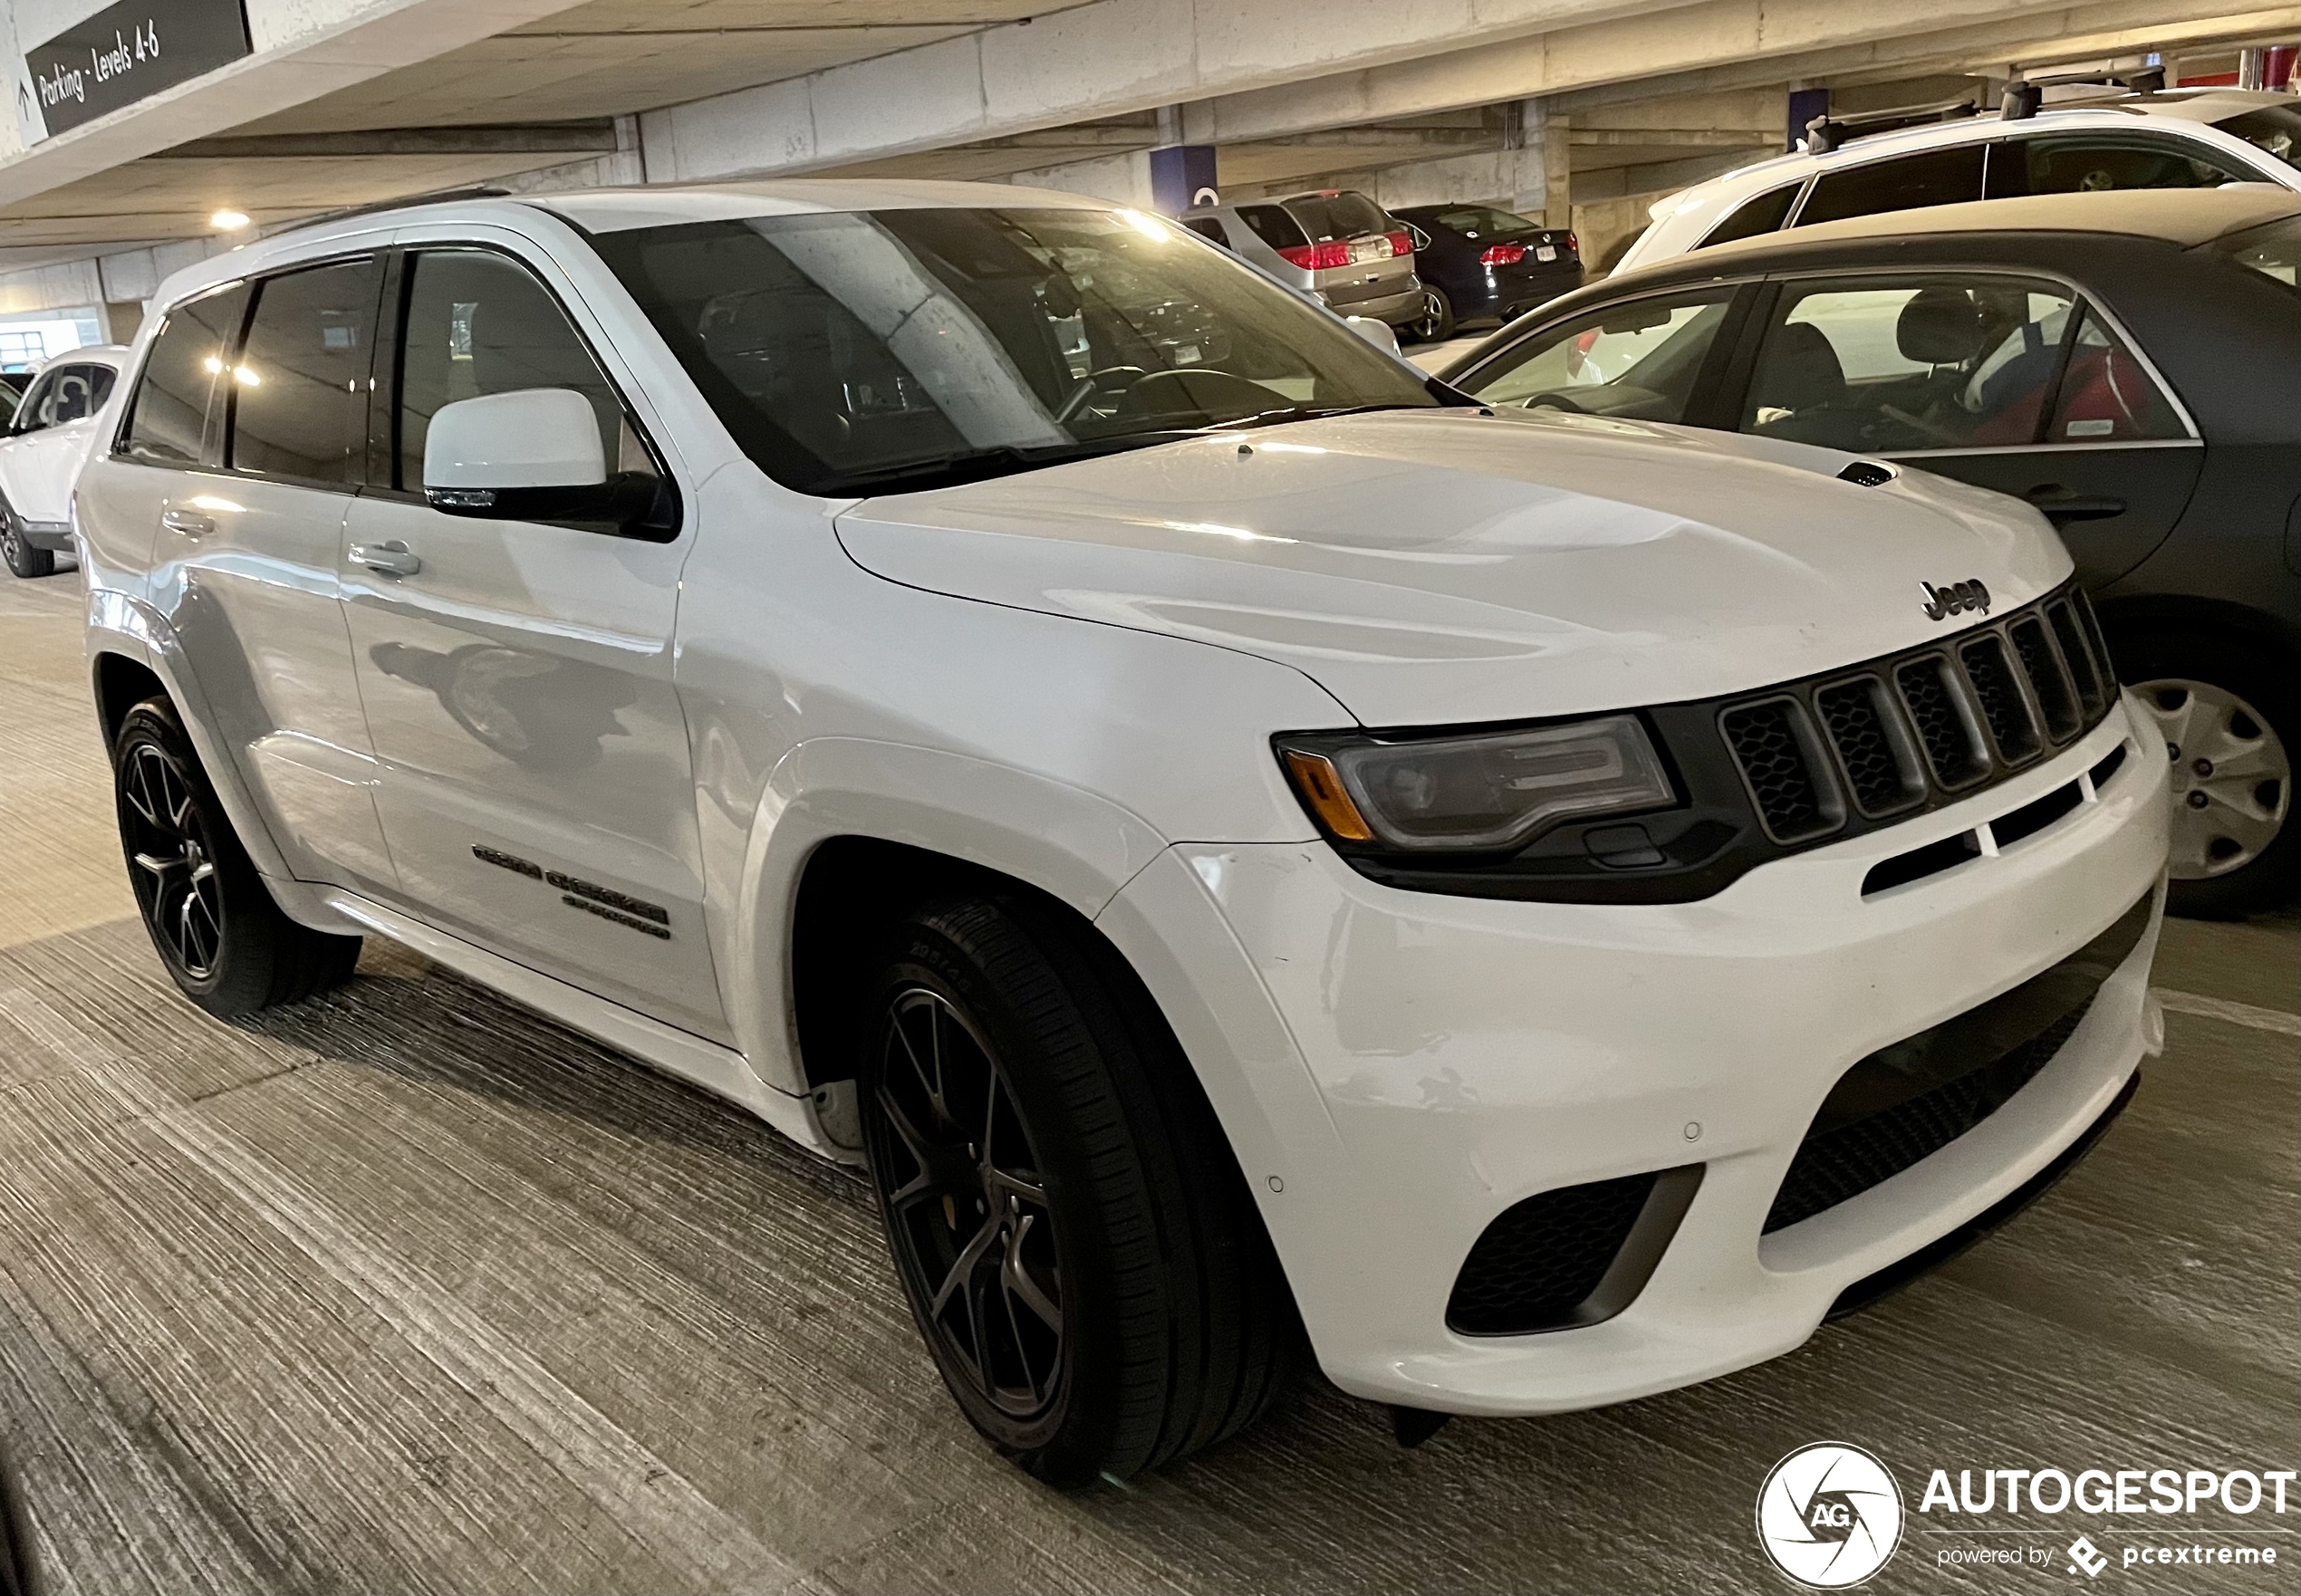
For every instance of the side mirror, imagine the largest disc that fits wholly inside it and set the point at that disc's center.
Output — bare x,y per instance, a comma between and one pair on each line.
530,456
1379,333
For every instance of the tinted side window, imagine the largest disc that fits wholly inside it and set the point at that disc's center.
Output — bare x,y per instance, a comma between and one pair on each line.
1208,228
1937,176
79,393
2084,163
1765,213
1639,360
1272,225
170,407
1953,363
478,322
299,388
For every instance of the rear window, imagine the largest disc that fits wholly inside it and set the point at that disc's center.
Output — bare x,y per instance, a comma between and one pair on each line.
1483,221
2272,129
1272,225
1766,213
170,407
1338,215
2270,249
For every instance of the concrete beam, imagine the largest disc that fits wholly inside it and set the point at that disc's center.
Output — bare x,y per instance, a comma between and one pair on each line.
540,139
1985,47
1749,40
1099,60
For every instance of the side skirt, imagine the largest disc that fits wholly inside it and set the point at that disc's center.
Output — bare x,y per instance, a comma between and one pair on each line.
720,1071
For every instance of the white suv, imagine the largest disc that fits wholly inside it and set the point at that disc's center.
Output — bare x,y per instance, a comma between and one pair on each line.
1239,841
40,453
2177,138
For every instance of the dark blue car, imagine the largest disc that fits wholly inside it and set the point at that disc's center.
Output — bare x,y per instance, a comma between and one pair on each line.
1479,263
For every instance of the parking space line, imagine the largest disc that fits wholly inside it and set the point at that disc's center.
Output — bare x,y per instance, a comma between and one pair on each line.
2236,1014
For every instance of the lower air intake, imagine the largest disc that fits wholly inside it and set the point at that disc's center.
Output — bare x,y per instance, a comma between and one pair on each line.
1908,1101
1572,1257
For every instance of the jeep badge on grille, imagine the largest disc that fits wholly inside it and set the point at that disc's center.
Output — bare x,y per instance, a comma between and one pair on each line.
1954,599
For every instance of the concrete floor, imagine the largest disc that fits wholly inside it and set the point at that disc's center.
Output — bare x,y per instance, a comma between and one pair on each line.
410,1290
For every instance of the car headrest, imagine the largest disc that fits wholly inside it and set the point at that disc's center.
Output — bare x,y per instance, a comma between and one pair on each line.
1939,326
1801,369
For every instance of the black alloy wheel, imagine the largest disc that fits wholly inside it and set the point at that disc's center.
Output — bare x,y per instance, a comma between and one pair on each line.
1076,1241
966,1207
212,919
178,886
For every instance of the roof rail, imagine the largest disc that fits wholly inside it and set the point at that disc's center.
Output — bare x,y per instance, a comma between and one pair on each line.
1825,133
437,197
2025,95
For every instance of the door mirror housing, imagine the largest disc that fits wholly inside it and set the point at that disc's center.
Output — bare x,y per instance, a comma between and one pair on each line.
530,456
1379,333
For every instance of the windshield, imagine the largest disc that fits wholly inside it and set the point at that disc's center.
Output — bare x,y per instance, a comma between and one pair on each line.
876,351
2270,249
2275,129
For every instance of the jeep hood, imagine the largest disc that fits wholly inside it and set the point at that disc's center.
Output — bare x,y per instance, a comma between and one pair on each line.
1429,567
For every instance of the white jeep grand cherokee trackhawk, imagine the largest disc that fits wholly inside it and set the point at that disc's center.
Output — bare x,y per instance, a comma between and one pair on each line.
1254,851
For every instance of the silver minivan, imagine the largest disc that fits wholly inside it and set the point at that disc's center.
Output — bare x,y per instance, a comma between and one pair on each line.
1337,244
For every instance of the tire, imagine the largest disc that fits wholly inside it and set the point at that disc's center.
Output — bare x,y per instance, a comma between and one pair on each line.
210,916
1121,1292
2230,713
1436,323
23,559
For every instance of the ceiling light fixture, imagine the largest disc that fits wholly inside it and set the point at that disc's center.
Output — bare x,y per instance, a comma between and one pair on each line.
229,221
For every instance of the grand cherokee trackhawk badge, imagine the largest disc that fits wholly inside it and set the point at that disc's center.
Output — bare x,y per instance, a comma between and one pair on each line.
1951,600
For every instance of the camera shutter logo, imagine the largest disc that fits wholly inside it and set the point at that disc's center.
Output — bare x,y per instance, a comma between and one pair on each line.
1829,1515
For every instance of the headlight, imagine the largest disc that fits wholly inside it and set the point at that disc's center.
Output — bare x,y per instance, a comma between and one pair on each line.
1487,792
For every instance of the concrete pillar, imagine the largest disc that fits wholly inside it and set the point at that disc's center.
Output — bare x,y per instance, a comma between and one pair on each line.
1557,171
121,318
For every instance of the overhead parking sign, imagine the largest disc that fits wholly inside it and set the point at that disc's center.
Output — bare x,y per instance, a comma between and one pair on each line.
123,53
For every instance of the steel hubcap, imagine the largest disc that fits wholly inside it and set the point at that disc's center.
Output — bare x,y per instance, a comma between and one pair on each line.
967,1205
2233,778
181,894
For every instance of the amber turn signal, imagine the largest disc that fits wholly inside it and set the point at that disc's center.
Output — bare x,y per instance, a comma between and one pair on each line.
1322,789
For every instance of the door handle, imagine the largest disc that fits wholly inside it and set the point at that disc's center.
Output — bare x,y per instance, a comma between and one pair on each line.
2059,505
185,523
391,558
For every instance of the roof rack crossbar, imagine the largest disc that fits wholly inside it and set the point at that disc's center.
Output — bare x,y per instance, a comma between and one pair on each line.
2025,95
1825,133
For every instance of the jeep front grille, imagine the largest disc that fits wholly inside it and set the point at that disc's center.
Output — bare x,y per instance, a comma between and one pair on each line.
1935,721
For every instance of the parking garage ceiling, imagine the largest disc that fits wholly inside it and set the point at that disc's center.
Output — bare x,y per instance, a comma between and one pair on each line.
1290,92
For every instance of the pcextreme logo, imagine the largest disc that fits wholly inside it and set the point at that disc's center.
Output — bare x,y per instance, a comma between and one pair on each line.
1829,1515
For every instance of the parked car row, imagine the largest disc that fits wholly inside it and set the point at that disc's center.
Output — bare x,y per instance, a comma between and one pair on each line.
1206,816
2121,361
1425,270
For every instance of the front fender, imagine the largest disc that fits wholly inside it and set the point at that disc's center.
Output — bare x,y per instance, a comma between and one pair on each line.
1063,839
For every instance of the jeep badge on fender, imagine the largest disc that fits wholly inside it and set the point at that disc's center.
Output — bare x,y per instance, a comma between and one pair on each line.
1951,601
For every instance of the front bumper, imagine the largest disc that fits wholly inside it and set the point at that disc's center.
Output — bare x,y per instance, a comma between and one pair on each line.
1398,1068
